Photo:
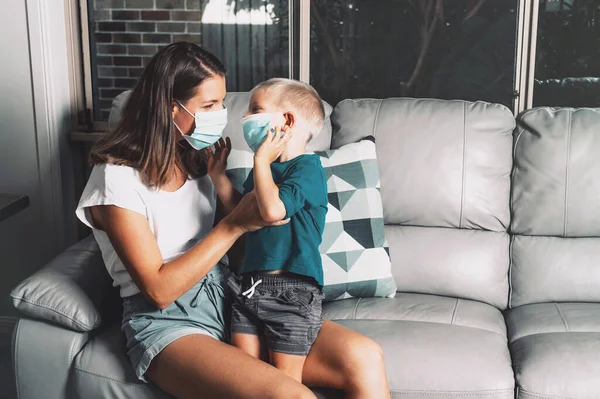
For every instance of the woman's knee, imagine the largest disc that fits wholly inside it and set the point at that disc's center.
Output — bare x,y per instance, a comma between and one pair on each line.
292,391
365,357
305,394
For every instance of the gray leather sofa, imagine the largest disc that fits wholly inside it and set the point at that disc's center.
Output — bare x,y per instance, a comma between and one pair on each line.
494,233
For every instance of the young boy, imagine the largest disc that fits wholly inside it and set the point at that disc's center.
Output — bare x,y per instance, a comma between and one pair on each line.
280,295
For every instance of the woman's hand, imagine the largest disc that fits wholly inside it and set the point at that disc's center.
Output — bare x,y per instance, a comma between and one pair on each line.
217,159
246,215
273,146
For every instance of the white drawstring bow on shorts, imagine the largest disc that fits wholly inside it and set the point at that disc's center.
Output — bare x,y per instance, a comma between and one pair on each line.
250,291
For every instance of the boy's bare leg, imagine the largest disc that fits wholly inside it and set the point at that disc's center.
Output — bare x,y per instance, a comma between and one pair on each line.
251,344
292,365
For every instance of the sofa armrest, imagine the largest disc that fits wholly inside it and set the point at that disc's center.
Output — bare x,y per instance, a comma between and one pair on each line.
43,355
73,290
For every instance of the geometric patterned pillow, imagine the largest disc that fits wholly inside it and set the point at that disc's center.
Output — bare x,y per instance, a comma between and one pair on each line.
354,251
355,254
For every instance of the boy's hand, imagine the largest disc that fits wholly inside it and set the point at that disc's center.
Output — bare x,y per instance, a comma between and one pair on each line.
217,159
273,145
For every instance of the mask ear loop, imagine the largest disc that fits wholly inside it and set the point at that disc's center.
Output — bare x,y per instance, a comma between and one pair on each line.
179,142
186,110
177,126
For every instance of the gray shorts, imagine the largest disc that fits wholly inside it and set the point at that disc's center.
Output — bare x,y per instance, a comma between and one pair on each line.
284,308
204,309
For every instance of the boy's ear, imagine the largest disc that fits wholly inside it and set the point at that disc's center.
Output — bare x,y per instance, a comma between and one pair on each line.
290,120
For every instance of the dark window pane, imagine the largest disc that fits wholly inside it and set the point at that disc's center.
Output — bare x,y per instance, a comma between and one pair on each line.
250,37
449,49
567,67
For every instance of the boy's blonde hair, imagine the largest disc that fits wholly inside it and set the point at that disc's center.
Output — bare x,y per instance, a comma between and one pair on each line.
296,96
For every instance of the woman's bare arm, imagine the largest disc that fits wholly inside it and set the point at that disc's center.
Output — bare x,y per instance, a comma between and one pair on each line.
162,283
217,165
228,196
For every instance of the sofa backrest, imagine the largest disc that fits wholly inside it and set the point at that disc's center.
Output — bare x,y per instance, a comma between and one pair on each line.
445,180
237,106
556,216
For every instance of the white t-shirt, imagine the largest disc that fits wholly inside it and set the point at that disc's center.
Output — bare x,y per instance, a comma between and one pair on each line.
178,220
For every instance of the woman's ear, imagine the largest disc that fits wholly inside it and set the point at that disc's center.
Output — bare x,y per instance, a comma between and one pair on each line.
174,110
290,120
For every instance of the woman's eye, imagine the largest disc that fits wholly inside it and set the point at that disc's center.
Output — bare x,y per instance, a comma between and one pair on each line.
208,106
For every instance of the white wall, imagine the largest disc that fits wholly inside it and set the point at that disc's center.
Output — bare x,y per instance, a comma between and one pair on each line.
34,124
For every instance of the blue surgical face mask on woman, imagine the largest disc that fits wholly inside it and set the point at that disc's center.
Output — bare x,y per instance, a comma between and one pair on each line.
209,127
257,126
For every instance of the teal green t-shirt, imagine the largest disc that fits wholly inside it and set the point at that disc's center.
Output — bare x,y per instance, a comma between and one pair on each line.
293,247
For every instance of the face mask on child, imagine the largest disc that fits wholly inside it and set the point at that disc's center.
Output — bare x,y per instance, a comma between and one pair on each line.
209,127
257,126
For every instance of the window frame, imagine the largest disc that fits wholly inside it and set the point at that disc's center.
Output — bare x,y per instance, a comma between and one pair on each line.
526,52
304,39
86,115
535,13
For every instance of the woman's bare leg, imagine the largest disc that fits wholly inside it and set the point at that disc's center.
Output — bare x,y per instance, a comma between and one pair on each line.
344,359
198,365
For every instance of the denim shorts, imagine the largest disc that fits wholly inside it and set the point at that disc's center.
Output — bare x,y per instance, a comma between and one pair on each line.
284,308
204,309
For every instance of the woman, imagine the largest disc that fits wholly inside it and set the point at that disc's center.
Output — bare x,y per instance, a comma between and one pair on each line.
152,205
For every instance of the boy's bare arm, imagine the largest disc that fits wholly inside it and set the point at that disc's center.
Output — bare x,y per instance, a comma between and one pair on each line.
267,193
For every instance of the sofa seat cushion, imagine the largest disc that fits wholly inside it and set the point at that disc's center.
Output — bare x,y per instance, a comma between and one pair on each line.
556,350
434,346
419,308
441,360
557,365
541,318
102,370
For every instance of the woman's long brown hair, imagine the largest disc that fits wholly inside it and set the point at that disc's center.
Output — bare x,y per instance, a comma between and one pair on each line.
145,137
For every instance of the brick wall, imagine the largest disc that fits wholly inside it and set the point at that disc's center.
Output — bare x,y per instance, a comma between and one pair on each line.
125,34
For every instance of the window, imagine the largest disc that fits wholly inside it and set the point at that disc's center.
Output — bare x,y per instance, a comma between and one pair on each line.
567,67
488,50
250,37
449,49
